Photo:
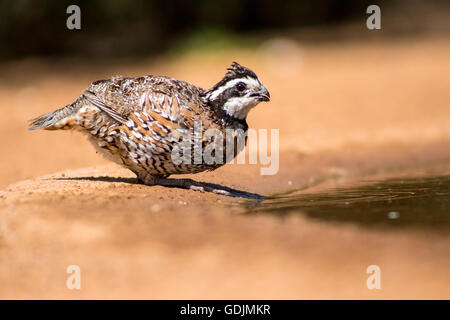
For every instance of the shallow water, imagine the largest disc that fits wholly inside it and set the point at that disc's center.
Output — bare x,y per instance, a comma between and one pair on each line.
414,202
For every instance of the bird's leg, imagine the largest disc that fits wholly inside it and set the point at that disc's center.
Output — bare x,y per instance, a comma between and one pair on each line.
147,179
191,184
152,180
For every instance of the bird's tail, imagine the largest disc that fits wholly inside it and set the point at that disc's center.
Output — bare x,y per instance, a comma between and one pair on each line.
63,118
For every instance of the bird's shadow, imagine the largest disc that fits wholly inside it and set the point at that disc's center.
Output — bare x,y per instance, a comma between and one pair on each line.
187,183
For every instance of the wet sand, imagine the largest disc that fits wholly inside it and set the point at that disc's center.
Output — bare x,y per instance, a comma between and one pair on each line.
345,112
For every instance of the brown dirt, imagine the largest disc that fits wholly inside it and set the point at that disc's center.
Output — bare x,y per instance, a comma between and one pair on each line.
344,112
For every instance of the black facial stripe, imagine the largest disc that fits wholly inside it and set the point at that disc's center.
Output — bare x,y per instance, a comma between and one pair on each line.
225,80
227,94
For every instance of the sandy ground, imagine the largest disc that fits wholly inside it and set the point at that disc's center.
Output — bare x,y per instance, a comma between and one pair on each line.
345,112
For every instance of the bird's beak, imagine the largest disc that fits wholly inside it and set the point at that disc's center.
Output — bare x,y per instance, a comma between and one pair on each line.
264,95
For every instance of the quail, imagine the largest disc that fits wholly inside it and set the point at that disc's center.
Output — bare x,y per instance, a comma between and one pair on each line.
139,122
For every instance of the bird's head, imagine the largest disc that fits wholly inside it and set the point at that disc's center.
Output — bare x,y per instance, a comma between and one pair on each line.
238,92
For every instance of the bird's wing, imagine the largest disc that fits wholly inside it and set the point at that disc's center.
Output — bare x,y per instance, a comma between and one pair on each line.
96,101
166,98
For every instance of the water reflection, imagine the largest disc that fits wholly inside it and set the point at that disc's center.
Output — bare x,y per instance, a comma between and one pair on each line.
418,202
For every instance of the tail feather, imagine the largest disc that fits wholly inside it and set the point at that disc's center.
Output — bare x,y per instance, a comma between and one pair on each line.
58,119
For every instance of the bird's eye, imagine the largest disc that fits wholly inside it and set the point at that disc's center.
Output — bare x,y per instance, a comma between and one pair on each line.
241,86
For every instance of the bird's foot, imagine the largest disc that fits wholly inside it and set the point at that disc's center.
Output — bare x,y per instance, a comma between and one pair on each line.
213,190
197,188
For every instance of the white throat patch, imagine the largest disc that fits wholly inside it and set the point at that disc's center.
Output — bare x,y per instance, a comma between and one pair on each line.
239,107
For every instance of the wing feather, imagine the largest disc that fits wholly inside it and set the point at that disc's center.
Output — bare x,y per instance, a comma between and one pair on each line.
96,101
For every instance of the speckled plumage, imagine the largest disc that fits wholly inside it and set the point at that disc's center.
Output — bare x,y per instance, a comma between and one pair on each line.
135,122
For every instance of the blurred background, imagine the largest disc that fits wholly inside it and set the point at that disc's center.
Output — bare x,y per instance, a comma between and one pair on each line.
138,28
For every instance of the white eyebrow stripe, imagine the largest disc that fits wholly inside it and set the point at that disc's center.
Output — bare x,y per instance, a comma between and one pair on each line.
249,81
